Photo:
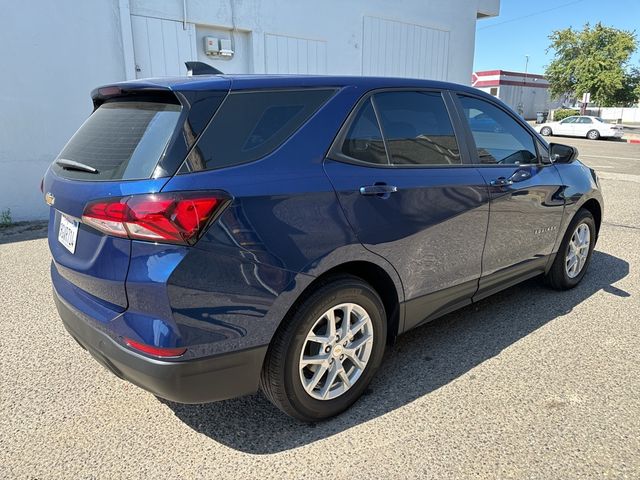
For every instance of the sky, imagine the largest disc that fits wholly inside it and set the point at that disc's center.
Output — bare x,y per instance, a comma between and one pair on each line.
523,28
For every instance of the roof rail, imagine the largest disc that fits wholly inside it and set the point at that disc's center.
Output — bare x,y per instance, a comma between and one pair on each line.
201,68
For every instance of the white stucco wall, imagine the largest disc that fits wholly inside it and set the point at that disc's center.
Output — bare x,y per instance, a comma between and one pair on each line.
337,22
54,53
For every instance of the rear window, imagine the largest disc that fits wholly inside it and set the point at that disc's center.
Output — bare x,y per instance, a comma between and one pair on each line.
250,125
122,140
417,128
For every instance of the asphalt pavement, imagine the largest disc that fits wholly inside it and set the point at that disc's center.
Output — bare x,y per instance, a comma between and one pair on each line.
530,383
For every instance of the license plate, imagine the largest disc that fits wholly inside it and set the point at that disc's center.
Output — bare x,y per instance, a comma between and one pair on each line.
68,232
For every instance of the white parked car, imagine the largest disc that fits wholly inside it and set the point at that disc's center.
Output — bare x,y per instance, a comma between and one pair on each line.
581,126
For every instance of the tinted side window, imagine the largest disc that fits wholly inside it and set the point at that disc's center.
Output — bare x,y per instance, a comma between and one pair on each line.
250,125
569,120
584,120
364,140
498,137
417,128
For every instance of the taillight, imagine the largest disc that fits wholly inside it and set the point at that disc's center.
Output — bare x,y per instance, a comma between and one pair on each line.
152,350
173,217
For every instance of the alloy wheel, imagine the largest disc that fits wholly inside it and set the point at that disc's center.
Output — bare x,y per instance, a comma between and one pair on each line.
336,351
578,250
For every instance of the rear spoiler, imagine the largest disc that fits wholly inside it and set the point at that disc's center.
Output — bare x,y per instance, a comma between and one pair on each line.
151,87
163,94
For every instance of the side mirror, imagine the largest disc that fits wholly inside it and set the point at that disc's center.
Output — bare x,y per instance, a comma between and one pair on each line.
562,153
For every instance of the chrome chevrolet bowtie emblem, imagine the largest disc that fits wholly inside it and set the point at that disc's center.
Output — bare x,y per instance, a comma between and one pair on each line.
49,198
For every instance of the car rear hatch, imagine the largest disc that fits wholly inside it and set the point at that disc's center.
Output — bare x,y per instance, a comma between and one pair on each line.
137,136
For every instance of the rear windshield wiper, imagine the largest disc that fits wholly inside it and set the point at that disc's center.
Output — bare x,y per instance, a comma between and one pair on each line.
73,165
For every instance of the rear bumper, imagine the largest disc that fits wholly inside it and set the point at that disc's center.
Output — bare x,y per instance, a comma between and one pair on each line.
613,134
192,381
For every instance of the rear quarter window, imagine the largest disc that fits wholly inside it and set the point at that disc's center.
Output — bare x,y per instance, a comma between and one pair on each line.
364,138
250,125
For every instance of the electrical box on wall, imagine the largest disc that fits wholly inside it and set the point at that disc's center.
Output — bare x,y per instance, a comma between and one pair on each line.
211,46
225,48
218,47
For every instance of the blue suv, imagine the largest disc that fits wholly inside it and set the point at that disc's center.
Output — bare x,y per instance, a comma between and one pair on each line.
215,235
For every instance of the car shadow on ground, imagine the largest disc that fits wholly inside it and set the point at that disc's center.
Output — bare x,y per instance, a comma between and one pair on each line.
420,362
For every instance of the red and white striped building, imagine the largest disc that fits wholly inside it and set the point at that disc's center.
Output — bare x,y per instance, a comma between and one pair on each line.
526,93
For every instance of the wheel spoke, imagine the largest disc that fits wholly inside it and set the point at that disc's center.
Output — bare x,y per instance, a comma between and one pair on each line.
331,378
345,378
581,262
317,375
314,360
321,339
346,321
351,355
331,324
359,325
354,346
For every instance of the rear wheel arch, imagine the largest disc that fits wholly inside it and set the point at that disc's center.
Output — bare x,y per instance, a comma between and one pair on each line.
384,286
376,276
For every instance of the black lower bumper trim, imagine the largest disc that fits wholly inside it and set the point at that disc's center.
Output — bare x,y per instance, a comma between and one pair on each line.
190,381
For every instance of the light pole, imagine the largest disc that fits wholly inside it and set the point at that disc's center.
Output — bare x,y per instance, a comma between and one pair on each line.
522,96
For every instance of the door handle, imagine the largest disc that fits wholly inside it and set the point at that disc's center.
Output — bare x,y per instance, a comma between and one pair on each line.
379,189
520,176
501,182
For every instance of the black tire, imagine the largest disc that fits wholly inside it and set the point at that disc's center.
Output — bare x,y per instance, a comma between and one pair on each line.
557,277
546,131
593,135
280,380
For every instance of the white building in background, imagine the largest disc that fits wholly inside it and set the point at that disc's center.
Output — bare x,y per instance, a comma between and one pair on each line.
55,52
526,93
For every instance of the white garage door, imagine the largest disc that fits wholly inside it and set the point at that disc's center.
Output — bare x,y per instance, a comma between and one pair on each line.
397,49
294,55
162,46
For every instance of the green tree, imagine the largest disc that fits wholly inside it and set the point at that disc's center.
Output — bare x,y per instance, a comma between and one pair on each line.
629,94
595,60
